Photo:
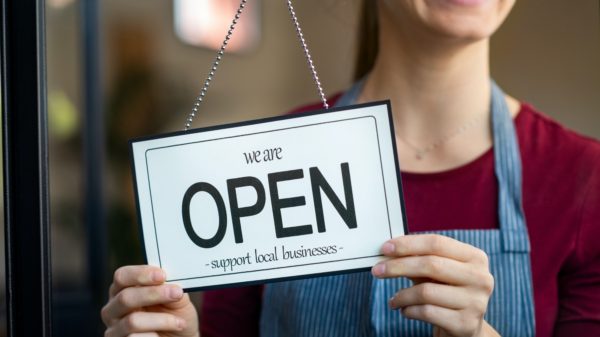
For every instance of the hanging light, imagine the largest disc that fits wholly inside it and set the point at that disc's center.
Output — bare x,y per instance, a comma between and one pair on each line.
204,23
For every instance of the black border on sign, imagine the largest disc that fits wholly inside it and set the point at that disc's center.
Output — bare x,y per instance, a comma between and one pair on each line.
262,121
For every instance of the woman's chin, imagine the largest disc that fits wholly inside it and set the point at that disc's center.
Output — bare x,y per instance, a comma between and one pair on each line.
470,20
464,19
462,28
455,20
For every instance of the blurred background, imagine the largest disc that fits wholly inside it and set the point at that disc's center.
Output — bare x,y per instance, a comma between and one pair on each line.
152,58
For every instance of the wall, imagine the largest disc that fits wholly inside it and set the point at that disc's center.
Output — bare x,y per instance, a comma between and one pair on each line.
548,53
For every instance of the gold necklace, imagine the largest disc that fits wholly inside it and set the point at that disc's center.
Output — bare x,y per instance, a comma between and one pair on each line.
421,152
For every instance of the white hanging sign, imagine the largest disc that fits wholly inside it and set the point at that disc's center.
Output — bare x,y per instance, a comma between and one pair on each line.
278,198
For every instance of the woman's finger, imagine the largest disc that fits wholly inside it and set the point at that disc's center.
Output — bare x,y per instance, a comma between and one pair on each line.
433,244
130,276
148,322
441,295
452,321
437,268
132,298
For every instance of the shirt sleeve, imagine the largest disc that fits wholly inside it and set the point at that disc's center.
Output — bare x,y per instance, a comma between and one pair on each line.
231,312
579,282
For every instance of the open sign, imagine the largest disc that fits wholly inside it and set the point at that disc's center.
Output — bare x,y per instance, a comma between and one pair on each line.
271,199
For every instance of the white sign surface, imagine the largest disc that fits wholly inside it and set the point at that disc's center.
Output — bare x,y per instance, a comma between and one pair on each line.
278,198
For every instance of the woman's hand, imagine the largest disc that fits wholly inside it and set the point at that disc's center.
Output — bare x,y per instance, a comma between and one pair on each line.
452,283
140,304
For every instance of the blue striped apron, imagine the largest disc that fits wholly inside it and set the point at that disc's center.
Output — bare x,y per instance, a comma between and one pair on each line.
357,304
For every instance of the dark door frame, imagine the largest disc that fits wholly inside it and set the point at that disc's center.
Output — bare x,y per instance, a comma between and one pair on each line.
25,155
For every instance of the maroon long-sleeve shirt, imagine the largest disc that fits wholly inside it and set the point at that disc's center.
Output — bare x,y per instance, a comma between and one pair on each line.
561,198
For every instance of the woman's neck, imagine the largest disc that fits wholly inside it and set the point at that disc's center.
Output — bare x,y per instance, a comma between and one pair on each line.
431,93
435,89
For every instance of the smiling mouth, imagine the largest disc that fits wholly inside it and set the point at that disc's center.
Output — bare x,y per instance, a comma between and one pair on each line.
464,3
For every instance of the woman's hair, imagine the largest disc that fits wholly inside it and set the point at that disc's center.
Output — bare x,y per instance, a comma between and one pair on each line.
368,43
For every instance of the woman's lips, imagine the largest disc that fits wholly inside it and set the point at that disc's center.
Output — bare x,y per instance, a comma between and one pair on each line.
466,3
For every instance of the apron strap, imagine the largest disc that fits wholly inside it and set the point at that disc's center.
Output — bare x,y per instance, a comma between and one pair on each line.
351,95
507,166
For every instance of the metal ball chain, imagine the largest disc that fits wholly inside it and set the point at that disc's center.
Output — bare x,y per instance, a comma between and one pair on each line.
213,69
307,54
219,56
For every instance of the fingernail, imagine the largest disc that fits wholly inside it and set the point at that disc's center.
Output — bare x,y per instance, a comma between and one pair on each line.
390,304
388,248
180,324
175,293
378,269
158,276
